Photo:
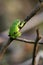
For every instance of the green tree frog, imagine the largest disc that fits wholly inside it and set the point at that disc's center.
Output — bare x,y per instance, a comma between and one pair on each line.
14,31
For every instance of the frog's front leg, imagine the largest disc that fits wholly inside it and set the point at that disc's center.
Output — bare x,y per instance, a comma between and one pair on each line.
15,35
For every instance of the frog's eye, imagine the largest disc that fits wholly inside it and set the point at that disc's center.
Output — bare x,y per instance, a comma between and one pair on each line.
21,24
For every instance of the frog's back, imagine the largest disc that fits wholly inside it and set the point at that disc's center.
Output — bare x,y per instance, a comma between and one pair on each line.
14,27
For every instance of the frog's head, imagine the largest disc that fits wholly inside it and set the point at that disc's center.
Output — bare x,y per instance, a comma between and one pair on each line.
19,23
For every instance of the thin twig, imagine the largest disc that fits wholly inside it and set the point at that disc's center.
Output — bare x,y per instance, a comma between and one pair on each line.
5,48
27,41
35,46
34,11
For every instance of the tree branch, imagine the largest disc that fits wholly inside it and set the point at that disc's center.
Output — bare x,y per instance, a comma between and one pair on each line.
35,46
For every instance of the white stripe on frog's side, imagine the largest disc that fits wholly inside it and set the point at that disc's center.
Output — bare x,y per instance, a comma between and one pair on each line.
38,56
